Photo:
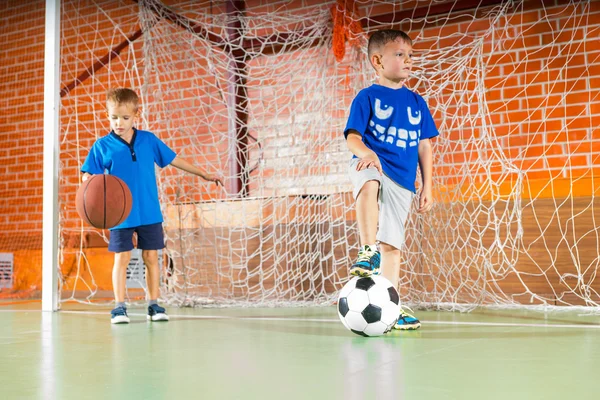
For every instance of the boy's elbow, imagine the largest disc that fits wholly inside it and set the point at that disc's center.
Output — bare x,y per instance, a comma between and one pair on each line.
352,137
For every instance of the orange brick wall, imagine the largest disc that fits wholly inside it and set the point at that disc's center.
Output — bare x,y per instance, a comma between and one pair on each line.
21,119
539,129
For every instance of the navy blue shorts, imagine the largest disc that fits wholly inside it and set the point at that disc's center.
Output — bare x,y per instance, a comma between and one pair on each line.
149,237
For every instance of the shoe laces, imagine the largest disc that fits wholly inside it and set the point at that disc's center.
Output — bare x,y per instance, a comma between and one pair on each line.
365,253
404,313
157,308
119,311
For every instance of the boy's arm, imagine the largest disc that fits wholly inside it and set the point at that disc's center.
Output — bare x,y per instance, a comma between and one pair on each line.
426,165
187,167
92,164
367,157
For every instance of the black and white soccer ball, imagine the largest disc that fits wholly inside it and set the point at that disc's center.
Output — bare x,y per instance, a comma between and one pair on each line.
369,306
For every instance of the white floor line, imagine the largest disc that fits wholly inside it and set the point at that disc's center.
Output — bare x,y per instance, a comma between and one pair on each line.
572,326
329,320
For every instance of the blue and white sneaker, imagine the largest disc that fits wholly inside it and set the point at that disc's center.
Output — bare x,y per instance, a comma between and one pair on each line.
367,262
407,322
119,316
157,313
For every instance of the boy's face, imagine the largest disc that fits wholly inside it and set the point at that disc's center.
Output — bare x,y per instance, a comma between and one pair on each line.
394,62
121,117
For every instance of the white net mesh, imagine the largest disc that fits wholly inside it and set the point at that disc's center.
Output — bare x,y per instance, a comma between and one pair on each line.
260,97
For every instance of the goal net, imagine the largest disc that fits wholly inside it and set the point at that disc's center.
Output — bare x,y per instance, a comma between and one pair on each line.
260,91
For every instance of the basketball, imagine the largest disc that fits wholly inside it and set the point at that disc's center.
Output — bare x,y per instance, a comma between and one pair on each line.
103,201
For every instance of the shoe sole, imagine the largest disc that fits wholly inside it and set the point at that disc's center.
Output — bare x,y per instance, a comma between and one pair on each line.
119,320
412,327
157,317
363,273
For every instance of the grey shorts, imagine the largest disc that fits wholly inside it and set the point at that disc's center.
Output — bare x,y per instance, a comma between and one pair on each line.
394,203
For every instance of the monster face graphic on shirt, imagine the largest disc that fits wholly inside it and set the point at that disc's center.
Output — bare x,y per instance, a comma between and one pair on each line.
382,127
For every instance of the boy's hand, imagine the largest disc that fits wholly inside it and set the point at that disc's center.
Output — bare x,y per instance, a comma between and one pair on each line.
85,177
217,179
369,161
425,200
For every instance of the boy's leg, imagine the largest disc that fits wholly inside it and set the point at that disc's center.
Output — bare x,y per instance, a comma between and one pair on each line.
121,244
152,272
155,312
395,205
390,263
119,275
366,192
367,212
150,240
390,269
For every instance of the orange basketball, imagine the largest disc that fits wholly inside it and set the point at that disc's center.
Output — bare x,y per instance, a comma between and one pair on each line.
103,201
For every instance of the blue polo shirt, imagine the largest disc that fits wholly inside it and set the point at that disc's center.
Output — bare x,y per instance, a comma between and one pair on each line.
391,123
133,163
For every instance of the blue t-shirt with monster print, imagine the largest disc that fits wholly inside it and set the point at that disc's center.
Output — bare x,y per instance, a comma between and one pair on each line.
391,123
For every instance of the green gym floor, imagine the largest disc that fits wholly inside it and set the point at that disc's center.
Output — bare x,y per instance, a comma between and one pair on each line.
294,353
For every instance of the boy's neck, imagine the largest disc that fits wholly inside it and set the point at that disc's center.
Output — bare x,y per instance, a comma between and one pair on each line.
128,136
390,83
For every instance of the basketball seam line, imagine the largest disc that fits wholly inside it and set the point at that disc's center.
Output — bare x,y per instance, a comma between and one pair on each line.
84,207
124,202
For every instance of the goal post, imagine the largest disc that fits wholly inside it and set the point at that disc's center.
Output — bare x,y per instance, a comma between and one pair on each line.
51,155
261,92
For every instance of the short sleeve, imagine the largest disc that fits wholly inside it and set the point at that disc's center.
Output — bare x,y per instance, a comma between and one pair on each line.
428,128
360,112
93,162
163,155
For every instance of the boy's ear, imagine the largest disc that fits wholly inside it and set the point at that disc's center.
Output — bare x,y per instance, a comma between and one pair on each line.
376,60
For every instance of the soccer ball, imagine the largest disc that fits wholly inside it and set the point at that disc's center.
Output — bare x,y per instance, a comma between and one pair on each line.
369,306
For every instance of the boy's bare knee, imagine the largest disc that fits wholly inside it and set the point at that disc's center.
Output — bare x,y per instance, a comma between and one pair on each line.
370,188
388,249
122,259
150,256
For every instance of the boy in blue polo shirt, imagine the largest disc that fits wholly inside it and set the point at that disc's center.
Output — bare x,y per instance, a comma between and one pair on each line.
388,131
131,154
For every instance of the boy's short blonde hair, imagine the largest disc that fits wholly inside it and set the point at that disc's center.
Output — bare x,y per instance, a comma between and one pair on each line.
123,96
380,38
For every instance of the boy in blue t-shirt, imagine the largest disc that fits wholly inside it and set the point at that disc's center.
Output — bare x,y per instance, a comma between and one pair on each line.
388,131
131,154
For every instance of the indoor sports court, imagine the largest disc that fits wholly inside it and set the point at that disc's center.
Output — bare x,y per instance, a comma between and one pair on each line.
255,270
